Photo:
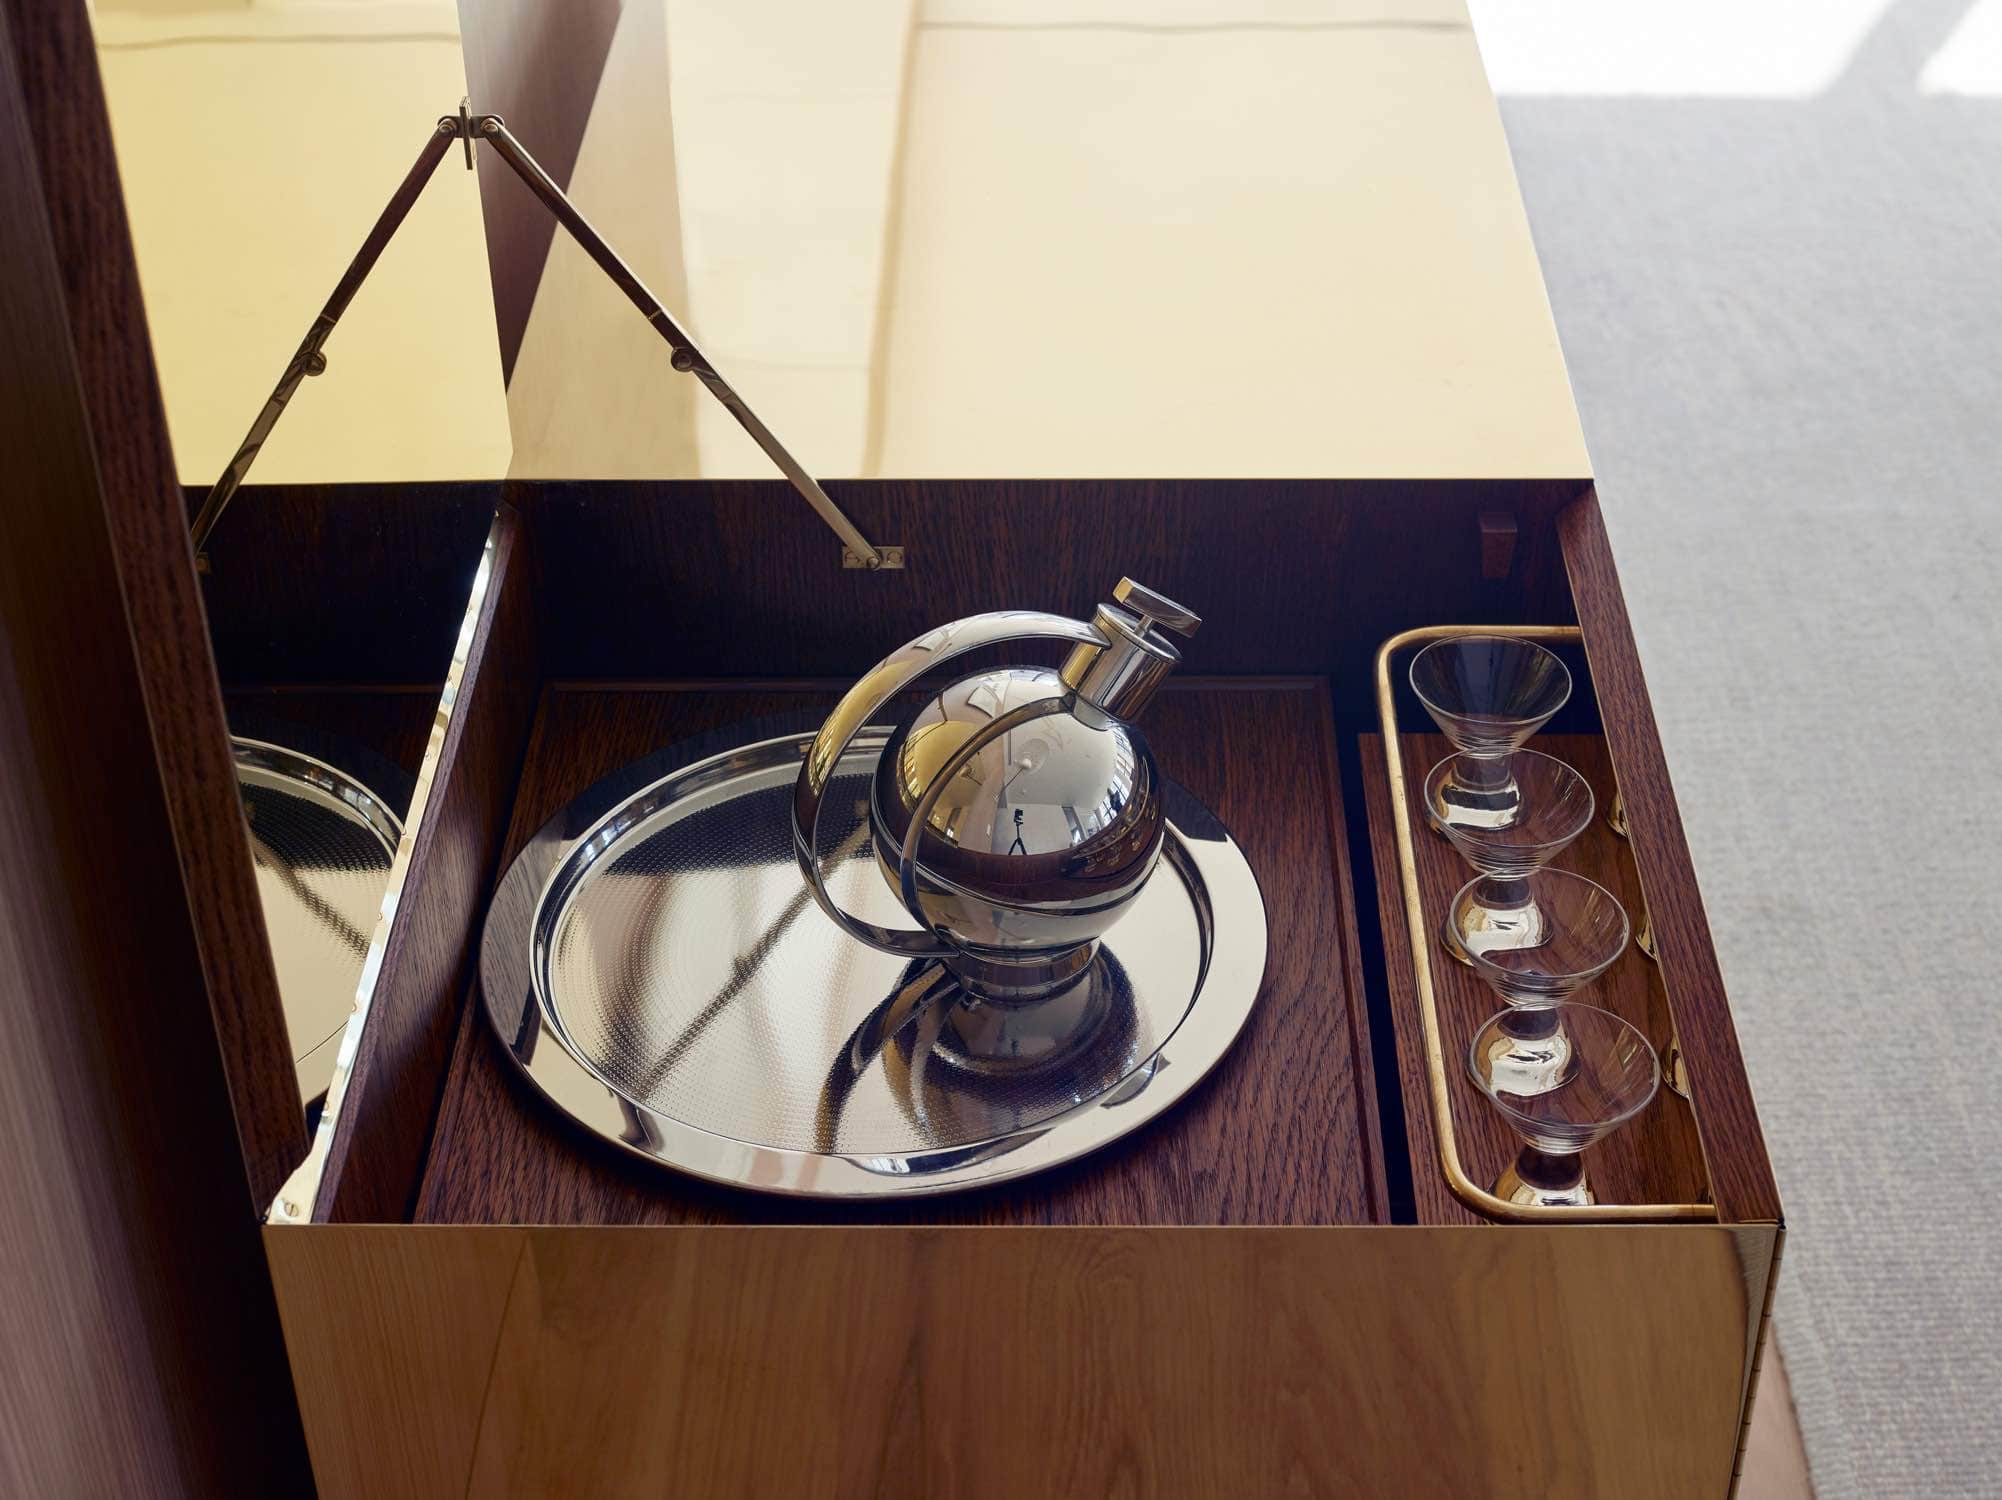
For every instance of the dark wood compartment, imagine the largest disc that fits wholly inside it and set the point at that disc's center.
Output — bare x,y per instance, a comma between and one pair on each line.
1281,1133
303,657
621,618
599,612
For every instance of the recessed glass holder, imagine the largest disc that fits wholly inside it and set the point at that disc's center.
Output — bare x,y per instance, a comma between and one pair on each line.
1421,929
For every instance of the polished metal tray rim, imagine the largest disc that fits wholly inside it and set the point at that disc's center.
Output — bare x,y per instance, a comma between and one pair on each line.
301,776
1198,850
335,785
1418,932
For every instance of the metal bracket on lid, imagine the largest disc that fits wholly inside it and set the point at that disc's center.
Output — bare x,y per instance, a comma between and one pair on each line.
886,557
470,129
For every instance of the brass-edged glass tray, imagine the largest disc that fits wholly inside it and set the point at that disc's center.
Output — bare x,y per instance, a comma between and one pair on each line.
1442,1052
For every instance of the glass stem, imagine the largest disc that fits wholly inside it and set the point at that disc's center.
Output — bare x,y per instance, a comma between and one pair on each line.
1526,1025
1478,774
1549,1171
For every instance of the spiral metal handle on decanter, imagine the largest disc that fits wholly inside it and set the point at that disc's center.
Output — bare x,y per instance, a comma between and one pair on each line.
889,677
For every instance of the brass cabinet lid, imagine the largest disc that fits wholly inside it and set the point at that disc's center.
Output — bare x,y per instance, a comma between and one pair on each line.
975,241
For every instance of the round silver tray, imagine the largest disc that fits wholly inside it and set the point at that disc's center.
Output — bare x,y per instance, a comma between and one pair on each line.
322,844
654,964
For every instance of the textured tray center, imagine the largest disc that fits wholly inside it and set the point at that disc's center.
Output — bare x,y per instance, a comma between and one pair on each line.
692,972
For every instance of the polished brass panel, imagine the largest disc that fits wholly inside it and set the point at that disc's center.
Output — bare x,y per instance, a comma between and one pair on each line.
255,145
1044,242
310,360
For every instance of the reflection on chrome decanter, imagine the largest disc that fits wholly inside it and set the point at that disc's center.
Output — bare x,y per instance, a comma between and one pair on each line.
1018,812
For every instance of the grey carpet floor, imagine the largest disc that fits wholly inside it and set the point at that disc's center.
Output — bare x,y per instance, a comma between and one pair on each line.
1784,323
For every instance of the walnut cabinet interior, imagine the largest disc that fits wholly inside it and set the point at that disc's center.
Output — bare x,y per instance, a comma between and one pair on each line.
1282,1241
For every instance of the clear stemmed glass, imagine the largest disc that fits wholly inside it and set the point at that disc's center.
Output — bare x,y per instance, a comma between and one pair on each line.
1564,1078
1487,694
1555,807
1536,939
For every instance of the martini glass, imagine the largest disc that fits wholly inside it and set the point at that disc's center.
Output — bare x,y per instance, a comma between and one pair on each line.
1564,1078
1555,807
1487,694
1537,939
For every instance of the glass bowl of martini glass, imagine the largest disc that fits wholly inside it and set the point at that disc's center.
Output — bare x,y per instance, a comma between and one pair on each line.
1488,694
1538,938
1554,805
1564,1078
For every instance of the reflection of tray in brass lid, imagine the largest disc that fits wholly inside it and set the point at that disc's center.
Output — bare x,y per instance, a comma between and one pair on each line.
322,844
654,963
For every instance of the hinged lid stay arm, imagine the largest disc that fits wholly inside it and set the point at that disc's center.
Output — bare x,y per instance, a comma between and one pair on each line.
470,128
686,357
308,360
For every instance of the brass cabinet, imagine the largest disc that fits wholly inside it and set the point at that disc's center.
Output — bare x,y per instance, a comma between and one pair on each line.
1274,1288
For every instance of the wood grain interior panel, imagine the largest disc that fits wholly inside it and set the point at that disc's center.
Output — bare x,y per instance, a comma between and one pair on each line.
377,1157
313,584
1655,1159
1741,1173
660,581
393,721
1278,1134
139,1348
964,1363
63,122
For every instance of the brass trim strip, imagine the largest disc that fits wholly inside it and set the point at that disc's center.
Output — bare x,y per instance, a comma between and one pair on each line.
1463,1187
1760,1346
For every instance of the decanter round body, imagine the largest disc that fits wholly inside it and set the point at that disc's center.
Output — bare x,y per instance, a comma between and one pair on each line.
1018,812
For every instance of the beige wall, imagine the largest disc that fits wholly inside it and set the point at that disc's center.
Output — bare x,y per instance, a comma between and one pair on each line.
256,147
